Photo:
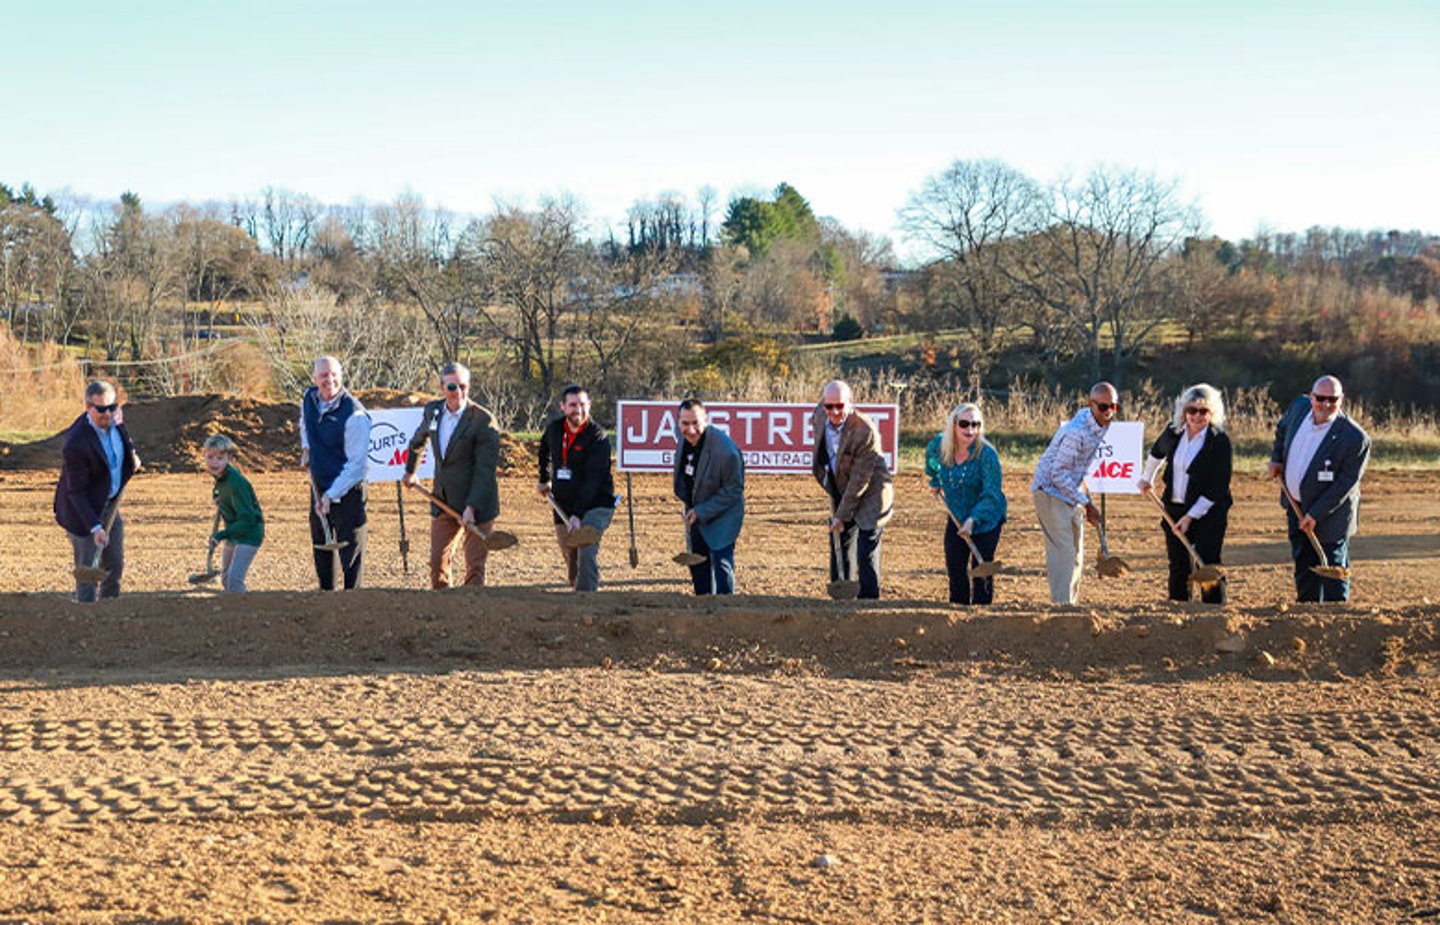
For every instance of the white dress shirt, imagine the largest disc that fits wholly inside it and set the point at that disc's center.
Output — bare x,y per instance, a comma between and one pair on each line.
449,420
1302,450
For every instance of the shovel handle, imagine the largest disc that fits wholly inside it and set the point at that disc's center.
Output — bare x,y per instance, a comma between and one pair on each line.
1309,534
430,495
1175,529
974,550
315,497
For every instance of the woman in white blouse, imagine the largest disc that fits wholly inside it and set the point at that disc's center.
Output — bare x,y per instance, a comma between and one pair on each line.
1198,459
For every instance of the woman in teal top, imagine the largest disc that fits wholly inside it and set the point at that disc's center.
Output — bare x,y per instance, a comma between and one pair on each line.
238,507
964,471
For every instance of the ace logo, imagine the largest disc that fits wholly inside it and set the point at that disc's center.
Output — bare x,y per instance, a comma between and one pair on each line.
1118,460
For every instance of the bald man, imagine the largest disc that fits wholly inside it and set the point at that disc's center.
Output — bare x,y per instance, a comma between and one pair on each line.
1061,503
1319,456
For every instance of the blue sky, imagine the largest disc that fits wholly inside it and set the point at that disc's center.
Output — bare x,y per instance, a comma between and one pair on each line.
1270,113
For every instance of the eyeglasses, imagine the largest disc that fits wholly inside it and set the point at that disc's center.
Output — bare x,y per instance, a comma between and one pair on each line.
1105,406
106,409
1326,399
969,425
456,386
834,407
1202,411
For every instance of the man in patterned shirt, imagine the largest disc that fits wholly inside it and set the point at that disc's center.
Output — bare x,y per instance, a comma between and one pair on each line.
1060,502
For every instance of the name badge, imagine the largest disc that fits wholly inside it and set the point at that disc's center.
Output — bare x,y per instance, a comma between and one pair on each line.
690,469
434,424
562,475
1325,475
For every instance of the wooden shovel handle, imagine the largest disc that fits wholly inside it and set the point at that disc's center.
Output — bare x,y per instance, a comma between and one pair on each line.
1310,534
1175,529
974,550
430,495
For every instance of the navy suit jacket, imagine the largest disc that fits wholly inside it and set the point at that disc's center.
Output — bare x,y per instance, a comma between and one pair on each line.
1334,502
719,487
84,485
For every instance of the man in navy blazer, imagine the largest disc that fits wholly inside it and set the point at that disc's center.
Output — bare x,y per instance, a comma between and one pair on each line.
710,482
1320,456
98,459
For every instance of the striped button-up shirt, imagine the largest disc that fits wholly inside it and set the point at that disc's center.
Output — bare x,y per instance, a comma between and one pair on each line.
1068,459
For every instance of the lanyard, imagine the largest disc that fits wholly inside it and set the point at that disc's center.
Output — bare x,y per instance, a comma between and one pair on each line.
565,444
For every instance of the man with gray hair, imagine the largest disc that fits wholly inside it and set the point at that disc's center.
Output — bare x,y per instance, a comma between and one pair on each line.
466,445
335,448
1319,456
848,464
98,460
1060,503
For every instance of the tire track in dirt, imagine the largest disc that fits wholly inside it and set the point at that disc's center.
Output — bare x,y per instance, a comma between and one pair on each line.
705,791
1310,737
731,765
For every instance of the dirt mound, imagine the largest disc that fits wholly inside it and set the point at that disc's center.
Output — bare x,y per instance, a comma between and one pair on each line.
169,433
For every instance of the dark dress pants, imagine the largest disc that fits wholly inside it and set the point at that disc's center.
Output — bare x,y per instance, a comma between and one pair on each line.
1207,535
347,522
859,559
716,575
1308,585
965,589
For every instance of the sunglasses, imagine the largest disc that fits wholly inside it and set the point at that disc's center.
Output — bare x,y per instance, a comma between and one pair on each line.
1106,406
1326,399
1197,410
456,386
834,407
969,425
106,409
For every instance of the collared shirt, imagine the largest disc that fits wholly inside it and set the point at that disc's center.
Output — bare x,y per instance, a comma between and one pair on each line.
449,420
357,447
689,460
114,449
832,442
1186,449
1308,438
1068,458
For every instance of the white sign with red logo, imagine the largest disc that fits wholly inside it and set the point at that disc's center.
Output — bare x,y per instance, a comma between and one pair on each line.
390,432
773,437
1119,460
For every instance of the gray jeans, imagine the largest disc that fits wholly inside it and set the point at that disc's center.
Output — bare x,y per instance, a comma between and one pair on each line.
235,559
112,560
583,564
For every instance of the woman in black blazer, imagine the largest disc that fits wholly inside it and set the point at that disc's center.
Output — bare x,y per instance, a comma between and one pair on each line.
1198,460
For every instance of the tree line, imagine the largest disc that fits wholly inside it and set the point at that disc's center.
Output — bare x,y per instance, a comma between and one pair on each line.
1105,274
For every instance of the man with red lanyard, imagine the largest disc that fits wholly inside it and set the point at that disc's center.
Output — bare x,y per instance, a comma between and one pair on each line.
575,471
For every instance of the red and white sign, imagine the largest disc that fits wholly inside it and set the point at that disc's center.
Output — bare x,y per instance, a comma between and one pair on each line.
773,437
1119,460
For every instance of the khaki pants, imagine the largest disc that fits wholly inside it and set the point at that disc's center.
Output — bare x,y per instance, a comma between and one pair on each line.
443,533
1064,528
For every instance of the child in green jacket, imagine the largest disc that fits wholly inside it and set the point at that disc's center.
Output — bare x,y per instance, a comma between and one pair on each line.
239,509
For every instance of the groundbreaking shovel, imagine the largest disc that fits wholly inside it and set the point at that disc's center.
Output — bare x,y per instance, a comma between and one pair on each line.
1106,565
583,535
689,557
981,568
1324,569
630,510
840,589
211,572
93,573
1206,576
331,544
495,539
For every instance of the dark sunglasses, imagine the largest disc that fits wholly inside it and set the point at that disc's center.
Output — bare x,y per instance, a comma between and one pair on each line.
1197,410
1326,399
968,425
830,407
1105,406
456,386
106,409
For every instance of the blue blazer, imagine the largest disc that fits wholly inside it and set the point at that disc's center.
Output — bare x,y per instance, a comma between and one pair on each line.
1334,502
84,485
719,487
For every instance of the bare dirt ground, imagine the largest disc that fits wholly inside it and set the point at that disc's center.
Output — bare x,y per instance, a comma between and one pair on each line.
523,754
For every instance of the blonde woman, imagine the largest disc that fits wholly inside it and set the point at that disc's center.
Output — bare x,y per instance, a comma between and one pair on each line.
1198,459
964,472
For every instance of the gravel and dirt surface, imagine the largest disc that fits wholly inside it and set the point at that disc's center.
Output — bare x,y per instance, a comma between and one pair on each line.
520,754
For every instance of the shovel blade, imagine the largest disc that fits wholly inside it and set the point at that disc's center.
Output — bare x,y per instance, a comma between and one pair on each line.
331,547
634,557
841,590
1112,567
200,578
586,535
688,559
90,575
1207,575
986,569
500,539
1335,572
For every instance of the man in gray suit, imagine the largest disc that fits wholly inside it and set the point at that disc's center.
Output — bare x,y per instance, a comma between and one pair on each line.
1320,455
466,444
710,482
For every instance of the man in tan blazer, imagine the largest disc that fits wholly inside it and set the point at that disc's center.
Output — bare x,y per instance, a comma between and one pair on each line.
848,464
466,444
